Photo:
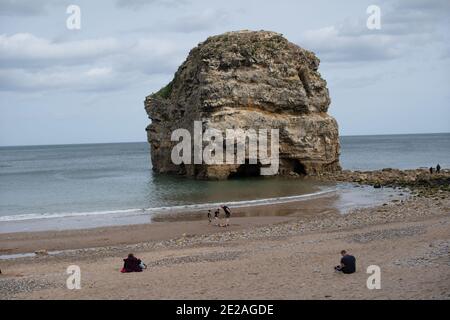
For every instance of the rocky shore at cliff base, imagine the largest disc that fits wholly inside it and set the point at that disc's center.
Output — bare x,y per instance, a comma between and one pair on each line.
420,181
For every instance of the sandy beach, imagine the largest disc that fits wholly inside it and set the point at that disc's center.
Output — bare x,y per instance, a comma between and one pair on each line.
288,255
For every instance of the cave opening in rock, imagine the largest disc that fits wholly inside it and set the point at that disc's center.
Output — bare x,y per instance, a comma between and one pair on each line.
246,170
298,167
293,165
182,169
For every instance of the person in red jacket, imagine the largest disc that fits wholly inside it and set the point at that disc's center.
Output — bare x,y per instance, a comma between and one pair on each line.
132,264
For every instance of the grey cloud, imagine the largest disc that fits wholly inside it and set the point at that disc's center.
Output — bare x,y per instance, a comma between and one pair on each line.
150,56
31,63
205,20
24,7
193,22
137,4
414,16
332,46
27,50
405,27
73,78
429,8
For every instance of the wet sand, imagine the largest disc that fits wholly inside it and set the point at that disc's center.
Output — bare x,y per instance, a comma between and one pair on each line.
165,227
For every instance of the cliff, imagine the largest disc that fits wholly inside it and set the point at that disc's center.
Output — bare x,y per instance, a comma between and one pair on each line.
247,80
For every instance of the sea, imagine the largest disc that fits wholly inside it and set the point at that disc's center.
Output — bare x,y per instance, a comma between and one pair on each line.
115,179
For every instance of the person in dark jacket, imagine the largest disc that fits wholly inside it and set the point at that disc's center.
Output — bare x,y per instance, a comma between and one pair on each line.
227,211
348,263
438,168
132,264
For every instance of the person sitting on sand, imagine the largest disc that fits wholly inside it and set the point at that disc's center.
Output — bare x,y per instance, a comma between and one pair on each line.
132,264
348,263
438,168
227,215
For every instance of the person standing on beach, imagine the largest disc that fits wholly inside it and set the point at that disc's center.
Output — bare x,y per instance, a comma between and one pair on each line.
227,215
431,170
216,217
209,216
348,263
438,168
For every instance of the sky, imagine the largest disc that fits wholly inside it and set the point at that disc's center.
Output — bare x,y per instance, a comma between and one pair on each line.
62,86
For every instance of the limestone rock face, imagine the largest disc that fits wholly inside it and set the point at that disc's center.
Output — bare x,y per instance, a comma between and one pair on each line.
247,80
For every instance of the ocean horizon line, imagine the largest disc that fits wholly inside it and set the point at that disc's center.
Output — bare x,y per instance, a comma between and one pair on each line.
132,142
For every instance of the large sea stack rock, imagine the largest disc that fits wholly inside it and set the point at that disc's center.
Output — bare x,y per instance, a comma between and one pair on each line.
245,80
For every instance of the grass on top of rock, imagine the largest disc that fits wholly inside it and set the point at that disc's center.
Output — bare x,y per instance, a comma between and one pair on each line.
165,91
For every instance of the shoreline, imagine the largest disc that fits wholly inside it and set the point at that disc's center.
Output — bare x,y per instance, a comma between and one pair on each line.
165,226
348,195
192,223
161,211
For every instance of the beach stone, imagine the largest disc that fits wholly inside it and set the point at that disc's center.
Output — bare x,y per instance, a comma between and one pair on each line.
247,80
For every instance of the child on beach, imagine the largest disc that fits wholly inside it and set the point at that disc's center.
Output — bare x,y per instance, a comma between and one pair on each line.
209,216
216,217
